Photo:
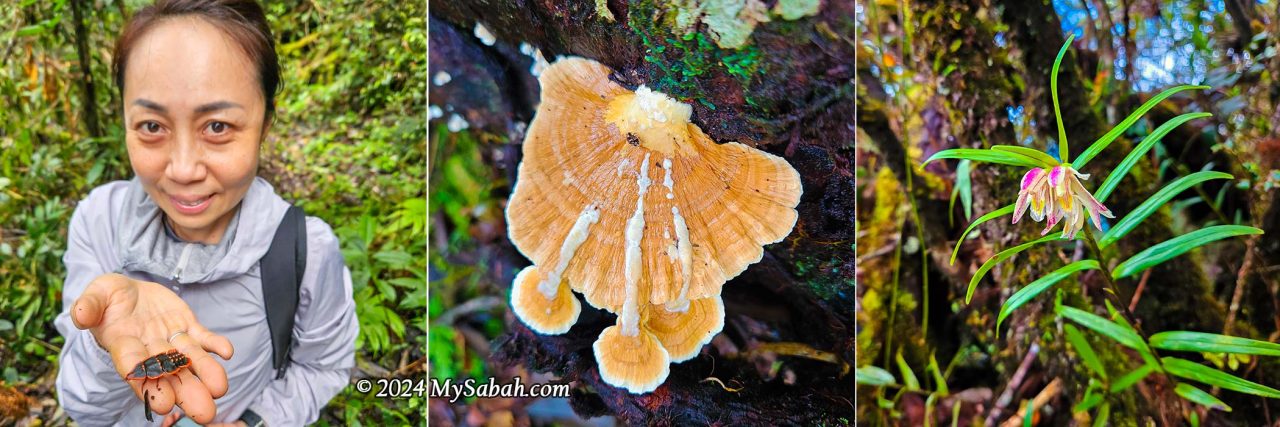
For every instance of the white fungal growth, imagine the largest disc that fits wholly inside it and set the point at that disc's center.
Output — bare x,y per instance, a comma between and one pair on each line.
630,315
568,179
655,120
681,303
577,235
666,179
484,35
623,165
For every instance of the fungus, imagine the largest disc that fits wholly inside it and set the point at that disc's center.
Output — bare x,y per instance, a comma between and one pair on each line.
621,198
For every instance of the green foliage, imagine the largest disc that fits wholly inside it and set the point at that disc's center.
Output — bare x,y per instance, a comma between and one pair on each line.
984,218
1053,90
1115,132
1124,336
1148,207
873,376
1117,174
1190,392
1040,285
1001,256
1171,248
963,189
1085,350
1200,373
985,155
1212,343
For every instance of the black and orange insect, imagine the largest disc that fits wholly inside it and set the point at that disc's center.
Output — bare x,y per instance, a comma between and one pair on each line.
154,367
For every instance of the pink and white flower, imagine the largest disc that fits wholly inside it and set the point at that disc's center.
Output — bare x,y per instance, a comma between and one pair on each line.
1058,195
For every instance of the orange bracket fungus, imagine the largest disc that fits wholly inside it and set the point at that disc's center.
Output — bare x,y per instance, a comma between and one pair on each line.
621,198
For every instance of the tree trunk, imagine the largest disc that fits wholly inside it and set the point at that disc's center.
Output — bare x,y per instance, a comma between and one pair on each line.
90,103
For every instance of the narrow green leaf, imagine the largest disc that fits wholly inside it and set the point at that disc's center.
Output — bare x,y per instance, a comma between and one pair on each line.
989,216
983,155
941,387
909,381
1085,350
965,185
1003,255
1115,132
873,376
1103,326
1168,249
1190,392
1162,197
1053,90
1040,285
1044,158
1030,415
1118,174
1128,380
1197,372
1202,342
1104,415
1090,399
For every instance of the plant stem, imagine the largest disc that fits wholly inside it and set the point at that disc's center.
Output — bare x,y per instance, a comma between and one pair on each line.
1113,291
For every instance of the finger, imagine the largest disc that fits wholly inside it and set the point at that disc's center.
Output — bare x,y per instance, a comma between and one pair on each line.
172,418
160,394
88,310
193,397
126,353
211,342
211,373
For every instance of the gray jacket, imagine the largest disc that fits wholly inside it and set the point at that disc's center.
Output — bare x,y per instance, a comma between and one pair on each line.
117,228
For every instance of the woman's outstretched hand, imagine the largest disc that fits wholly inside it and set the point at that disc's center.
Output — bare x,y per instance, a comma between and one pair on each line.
134,320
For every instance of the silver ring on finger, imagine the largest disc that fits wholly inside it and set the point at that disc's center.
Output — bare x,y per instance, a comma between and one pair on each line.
175,335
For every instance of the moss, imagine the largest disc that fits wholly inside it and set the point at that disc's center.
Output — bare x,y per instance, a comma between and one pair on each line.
684,58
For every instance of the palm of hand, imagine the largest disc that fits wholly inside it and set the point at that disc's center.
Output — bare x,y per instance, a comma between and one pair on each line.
134,320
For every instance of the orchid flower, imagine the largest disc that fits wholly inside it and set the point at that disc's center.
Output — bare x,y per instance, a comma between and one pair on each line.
1057,194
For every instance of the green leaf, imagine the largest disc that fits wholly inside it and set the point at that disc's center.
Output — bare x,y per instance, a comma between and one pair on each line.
1115,132
1190,392
941,388
1045,159
989,216
1162,197
1103,326
1090,399
909,381
1104,415
1003,255
1128,380
965,186
982,155
1053,90
1202,342
1168,249
1085,350
1040,285
1118,174
1197,372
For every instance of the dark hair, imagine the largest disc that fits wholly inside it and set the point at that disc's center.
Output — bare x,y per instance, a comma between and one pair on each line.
242,20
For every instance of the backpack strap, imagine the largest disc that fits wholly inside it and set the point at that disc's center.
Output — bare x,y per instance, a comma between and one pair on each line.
282,269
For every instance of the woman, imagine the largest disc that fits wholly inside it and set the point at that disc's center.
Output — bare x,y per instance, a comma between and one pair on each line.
171,259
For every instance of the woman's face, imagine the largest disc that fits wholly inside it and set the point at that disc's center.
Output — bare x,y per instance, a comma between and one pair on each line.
193,113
